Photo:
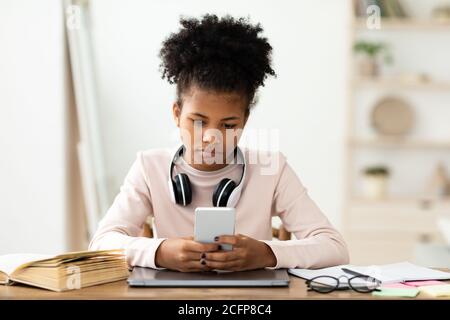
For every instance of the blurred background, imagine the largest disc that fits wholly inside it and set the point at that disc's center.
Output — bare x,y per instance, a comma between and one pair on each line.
361,106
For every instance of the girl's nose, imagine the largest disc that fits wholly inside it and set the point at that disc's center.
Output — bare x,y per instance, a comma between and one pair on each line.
210,136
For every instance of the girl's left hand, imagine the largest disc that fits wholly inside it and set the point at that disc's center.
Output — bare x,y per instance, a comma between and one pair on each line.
247,254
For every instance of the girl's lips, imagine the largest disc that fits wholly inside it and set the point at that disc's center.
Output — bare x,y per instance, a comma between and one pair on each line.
210,155
212,152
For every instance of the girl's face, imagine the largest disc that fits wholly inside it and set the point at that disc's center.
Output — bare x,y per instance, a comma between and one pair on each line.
210,125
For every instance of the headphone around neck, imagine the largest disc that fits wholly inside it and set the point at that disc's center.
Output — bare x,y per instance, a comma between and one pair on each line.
226,193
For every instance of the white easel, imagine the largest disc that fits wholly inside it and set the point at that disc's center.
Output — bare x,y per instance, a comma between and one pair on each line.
90,152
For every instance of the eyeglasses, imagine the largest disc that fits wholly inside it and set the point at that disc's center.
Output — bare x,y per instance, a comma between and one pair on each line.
360,283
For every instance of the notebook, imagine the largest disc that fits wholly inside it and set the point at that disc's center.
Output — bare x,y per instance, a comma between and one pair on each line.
436,291
63,272
389,273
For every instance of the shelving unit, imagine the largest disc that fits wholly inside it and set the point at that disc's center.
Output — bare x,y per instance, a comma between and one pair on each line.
405,24
389,229
399,143
398,84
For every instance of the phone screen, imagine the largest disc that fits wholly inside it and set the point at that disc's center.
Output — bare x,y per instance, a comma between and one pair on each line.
213,222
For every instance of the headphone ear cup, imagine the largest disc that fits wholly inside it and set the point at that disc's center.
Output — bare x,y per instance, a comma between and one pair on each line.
182,186
222,192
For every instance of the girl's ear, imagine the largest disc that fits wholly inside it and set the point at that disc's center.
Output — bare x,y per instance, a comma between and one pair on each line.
176,111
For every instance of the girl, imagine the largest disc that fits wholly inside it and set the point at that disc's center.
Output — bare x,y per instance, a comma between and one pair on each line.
217,66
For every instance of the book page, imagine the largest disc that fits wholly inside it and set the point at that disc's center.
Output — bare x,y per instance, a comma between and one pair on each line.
403,271
9,262
308,274
86,254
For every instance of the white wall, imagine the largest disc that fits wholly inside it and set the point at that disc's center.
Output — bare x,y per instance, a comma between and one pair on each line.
32,129
306,102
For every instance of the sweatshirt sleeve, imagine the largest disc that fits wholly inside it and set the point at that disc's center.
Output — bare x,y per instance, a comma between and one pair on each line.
123,223
318,244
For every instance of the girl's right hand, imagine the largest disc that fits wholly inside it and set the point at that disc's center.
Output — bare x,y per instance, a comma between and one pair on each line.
183,254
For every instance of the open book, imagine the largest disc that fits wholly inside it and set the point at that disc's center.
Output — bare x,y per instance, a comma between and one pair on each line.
388,273
63,272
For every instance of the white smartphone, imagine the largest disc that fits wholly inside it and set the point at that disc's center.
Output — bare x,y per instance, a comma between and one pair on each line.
211,222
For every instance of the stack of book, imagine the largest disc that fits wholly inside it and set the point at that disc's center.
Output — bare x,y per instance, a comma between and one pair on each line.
63,272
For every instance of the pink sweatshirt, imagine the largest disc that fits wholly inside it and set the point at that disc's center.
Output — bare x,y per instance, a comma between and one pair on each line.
265,194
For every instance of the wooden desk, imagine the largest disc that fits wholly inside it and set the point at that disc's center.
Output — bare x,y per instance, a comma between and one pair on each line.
120,290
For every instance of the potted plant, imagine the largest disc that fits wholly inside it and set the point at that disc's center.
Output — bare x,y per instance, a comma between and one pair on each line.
376,181
370,51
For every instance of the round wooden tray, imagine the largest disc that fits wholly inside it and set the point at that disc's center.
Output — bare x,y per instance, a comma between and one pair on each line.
392,116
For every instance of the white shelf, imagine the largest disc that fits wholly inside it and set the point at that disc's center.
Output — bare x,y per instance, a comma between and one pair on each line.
399,143
398,200
393,24
393,83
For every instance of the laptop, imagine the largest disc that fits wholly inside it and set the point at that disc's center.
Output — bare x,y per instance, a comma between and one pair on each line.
146,277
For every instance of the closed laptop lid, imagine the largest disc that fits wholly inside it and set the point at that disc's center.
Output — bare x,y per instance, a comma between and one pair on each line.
165,278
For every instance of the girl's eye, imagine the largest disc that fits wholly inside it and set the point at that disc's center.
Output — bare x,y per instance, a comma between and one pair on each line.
229,126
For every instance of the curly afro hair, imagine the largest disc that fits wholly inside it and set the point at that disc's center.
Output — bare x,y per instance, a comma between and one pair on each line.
222,55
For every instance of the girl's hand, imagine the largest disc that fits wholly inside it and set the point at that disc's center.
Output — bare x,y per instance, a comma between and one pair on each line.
247,254
183,254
